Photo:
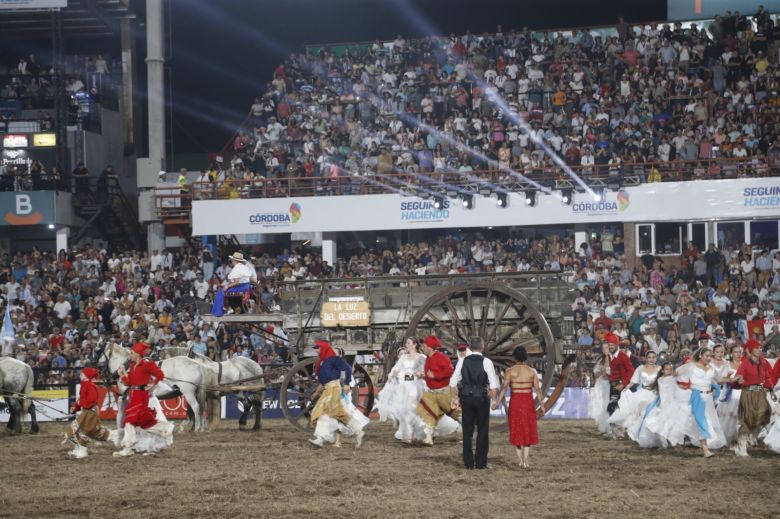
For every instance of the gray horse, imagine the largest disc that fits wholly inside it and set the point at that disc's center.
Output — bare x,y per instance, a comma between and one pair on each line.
16,386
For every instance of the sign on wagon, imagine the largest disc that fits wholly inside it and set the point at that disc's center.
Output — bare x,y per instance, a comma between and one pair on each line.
346,312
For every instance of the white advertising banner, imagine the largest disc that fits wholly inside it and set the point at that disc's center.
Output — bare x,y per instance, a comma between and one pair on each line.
33,4
669,201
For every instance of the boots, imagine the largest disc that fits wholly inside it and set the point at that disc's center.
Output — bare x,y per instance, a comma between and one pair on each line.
358,430
428,440
317,441
78,452
741,449
113,437
124,453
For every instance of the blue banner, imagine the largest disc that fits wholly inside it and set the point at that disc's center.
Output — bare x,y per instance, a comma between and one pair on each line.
232,408
27,208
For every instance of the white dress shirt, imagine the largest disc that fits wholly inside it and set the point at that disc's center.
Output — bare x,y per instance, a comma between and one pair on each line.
240,273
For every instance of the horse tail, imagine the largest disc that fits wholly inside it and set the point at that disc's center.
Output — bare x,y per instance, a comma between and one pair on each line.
28,390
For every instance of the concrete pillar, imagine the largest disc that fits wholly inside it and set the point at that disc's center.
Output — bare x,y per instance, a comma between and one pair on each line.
63,236
629,240
329,252
155,237
155,52
127,28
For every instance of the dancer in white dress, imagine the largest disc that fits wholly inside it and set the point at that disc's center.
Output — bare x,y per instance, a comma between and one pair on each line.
599,393
635,398
772,438
665,421
728,404
152,442
399,398
703,426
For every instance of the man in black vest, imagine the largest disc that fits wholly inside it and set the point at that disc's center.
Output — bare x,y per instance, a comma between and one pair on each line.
476,377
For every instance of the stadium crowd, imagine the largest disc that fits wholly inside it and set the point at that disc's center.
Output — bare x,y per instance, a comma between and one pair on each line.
64,307
657,102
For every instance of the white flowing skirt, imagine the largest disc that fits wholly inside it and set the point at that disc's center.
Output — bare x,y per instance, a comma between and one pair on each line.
327,426
728,414
631,408
151,440
597,404
643,434
772,438
714,435
398,402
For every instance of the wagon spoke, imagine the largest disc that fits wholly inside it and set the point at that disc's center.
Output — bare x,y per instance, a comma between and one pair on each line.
444,328
486,311
470,308
453,313
497,321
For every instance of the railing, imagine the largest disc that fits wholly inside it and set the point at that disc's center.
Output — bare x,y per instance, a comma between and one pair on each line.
175,203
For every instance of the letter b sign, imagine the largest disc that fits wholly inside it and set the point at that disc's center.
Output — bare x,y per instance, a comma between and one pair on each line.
23,205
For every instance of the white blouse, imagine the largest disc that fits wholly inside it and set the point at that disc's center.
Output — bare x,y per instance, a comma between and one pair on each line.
644,378
701,379
407,365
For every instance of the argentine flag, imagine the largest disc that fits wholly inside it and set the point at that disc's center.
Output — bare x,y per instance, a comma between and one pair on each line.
7,331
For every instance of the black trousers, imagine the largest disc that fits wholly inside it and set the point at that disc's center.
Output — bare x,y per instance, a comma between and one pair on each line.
476,412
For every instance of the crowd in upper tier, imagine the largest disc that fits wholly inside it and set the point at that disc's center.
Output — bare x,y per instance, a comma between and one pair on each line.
656,102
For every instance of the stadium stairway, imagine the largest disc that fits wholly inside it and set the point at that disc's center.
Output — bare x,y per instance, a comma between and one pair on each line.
108,215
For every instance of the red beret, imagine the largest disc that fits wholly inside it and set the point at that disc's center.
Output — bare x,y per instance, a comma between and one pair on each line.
90,373
463,347
612,338
704,336
752,344
321,342
432,342
141,348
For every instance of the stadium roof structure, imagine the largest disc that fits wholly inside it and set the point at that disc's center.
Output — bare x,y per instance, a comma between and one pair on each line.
81,18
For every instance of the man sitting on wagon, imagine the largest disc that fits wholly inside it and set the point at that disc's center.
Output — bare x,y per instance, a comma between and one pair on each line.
239,285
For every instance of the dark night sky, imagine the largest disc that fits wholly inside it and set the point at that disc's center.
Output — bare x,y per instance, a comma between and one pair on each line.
224,53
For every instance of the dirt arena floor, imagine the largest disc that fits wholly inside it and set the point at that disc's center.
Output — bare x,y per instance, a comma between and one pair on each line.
275,473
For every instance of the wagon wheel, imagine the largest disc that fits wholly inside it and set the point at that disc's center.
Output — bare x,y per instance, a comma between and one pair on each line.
504,317
299,386
363,392
295,396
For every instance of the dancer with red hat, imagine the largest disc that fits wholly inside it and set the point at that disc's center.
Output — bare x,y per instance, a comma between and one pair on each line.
87,425
620,372
140,380
334,414
755,377
436,401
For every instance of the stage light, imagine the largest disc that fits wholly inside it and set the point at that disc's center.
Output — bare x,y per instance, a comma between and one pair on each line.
530,198
502,199
614,182
51,226
468,201
567,196
438,202
598,194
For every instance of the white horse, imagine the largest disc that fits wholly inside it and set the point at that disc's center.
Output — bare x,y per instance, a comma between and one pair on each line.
16,386
238,370
183,376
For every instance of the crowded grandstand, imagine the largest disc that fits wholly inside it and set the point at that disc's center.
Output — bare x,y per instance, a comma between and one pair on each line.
603,198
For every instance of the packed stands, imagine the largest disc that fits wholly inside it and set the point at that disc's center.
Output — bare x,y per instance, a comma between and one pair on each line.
637,103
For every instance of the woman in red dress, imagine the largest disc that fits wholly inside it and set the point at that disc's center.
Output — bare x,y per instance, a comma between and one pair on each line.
140,379
522,379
